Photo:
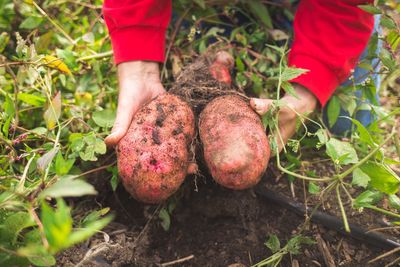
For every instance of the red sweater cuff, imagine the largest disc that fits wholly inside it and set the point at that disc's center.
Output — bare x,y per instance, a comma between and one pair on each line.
138,43
320,80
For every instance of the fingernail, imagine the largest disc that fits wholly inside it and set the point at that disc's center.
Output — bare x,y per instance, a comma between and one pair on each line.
258,103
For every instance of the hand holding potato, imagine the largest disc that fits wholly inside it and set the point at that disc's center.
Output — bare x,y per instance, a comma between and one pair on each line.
139,83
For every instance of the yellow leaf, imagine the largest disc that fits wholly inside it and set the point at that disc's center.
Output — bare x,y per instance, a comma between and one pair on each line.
53,112
56,63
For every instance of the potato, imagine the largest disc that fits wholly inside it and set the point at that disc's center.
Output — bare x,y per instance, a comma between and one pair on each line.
154,155
236,148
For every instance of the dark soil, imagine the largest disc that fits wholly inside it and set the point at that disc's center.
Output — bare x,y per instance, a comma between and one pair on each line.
211,227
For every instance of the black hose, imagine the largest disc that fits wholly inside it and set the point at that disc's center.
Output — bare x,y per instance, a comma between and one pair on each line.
329,221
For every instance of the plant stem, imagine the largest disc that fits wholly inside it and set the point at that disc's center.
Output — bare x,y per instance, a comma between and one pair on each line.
55,24
96,56
344,216
386,212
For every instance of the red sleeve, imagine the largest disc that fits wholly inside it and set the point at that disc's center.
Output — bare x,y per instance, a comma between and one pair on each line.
329,37
137,28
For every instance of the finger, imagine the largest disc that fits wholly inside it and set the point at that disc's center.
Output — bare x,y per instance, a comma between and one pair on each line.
127,107
261,106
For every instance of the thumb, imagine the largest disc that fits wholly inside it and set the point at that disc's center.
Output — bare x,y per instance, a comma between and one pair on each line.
125,112
261,106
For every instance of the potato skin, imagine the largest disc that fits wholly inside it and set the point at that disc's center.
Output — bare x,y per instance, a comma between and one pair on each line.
154,155
236,148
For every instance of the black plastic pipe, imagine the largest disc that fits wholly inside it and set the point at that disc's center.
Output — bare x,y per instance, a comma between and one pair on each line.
329,221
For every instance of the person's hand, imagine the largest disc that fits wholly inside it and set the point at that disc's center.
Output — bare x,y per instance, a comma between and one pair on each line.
139,83
304,104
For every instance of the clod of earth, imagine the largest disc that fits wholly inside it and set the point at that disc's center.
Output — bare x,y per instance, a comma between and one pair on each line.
154,156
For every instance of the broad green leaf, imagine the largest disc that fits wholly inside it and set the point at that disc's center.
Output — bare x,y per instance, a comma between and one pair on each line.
365,136
341,152
393,38
261,12
31,99
201,3
63,166
294,244
31,22
68,187
37,255
165,219
322,136
57,224
370,9
13,225
290,73
53,112
388,23
313,188
333,110
4,39
82,234
382,177
360,178
367,198
43,42
273,243
288,87
104,118
394,201
239,64
94,216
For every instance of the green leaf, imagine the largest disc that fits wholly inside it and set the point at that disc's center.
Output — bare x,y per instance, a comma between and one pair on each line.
393,38
261,12
114,178
394,201
104,118
313,188
360,178
165,219
94,216
273,243
31,23
294,244
31,99
63,166
201,3
290,73
13,225
341,152
37,255
370,9
57,224
382,177
333,110
4,39
68,187
239,64
367,198
90,229
53,112
365,136
388,23
288,87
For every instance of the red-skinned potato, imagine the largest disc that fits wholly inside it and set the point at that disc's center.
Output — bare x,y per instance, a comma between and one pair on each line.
236,148
154,156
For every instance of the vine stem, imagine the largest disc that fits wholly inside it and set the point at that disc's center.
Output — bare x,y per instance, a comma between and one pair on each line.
55,24
386,212
97,56
342,211
365,159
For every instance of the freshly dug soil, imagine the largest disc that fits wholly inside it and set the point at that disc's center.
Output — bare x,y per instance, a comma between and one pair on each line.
212,226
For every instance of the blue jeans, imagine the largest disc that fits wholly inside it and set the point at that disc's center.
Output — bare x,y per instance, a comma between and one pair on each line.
343,126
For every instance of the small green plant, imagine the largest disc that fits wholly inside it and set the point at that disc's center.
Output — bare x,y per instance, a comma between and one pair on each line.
292,247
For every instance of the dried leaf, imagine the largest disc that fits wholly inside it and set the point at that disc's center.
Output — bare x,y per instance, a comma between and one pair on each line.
56,63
